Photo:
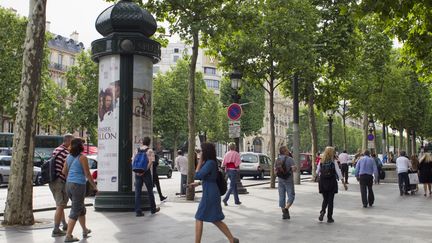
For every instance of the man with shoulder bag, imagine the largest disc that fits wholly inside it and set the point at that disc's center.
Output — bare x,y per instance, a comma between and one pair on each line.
284,168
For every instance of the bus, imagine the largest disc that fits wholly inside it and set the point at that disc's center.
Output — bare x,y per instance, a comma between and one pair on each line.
44,144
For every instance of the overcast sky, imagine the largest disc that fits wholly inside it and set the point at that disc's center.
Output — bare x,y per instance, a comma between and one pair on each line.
67,16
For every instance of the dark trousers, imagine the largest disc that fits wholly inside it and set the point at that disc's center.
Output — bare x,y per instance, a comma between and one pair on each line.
328,198
232,175
183,182
344,170
157,184
366,182
403,180
148,181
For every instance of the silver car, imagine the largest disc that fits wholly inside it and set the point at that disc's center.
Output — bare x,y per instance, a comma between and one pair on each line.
5,162
254,164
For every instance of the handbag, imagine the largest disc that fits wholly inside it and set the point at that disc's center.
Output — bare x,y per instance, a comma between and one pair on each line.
413,178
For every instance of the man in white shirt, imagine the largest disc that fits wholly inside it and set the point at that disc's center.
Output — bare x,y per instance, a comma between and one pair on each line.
181,163
343,159
402,165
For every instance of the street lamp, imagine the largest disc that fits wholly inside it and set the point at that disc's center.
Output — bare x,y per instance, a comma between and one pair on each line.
330,124
236,77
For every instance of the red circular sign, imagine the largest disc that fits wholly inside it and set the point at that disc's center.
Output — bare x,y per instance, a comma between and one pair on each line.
234,111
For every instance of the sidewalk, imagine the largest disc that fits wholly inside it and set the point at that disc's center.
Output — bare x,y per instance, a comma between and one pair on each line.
258,219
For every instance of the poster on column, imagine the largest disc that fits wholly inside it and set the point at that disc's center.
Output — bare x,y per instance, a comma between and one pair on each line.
142,104
108,111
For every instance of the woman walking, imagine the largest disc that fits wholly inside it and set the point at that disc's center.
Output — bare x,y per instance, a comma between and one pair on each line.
76,170
329,173
209,209
425,173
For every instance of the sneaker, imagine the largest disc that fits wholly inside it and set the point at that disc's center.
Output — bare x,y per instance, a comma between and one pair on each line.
156,210
285,213
321,217
139,214
65,227
163,198
330,220
71,239
58,233
225,202
235,240
85,233
238,203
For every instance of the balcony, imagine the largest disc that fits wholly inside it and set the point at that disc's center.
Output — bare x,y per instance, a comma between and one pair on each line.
58,67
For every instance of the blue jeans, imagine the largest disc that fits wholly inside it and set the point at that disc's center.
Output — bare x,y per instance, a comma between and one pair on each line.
232,175
286,189
148,181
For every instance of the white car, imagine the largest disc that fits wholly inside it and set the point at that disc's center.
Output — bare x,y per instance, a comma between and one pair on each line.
5,162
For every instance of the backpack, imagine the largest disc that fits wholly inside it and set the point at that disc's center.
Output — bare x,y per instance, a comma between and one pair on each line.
221,182
140,162
48,171
281,169
327,170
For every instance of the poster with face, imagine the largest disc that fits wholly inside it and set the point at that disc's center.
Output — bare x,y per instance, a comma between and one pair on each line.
108,110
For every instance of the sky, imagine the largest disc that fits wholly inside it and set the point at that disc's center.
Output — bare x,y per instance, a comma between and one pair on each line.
67,16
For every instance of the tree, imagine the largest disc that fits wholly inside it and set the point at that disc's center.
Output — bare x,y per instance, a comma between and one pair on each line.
11,53
19,203
82,82
266,41
190,19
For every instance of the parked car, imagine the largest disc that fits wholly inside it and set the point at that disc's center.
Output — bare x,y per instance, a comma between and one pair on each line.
164,168
92,161
305,163
5,162
254,164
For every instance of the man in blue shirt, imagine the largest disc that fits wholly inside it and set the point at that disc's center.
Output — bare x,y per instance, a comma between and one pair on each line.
365,169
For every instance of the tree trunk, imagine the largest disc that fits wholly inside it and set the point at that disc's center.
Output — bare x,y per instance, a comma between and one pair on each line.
190,192
174,150
400,140
272,135
1,119
408,142
365,131
384,141
413,143
313,128
344,132
19,203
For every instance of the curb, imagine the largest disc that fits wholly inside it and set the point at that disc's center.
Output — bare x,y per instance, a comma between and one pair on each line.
51,208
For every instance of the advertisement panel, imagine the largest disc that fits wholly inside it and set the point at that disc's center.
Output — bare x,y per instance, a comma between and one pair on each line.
108,112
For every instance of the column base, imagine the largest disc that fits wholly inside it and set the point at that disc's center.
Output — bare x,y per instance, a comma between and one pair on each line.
240,188
119,201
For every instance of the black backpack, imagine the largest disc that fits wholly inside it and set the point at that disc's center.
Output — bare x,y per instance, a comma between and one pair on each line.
281,169
221,182
327,170
48,171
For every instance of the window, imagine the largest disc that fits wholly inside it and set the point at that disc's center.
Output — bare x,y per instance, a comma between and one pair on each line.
209,70
60,59
212,84
175,58
72,61
176,50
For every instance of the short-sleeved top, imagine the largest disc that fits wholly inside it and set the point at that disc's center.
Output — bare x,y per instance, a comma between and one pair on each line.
76,171
60,154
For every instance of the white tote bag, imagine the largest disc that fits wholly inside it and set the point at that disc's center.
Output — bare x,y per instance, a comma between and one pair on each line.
413,178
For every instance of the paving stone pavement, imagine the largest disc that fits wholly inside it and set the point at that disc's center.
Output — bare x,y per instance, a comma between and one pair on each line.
392,219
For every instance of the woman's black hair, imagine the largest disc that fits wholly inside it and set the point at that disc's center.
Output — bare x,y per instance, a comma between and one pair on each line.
208,152
77,146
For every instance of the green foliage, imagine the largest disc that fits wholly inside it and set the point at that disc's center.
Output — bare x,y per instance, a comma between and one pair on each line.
12,35
82,82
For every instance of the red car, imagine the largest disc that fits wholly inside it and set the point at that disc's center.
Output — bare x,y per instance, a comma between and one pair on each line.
306,163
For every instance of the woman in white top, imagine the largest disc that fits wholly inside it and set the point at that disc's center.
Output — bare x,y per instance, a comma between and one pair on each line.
329,173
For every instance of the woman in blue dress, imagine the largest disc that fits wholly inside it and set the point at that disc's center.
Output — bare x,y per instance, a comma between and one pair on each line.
209,209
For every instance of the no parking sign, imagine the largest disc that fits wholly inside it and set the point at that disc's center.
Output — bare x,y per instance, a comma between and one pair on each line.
234,111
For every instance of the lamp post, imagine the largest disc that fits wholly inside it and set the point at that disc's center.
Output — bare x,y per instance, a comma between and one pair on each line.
236,78
126,56
330,125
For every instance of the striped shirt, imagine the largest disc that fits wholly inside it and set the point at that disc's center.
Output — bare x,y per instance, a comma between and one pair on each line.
60,153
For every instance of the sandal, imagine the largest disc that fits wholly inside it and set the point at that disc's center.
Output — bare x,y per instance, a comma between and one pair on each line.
85,234
71,239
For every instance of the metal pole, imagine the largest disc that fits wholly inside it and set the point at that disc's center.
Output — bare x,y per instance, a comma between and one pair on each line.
296,132
240,188
330,131
384,139
394,144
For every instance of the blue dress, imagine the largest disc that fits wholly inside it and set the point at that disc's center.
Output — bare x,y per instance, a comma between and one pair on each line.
209,209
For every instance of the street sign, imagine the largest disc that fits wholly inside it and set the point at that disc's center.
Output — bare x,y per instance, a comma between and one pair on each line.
234,129
371,145
234,111
370,137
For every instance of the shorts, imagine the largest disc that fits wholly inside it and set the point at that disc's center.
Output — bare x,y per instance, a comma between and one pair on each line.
58,189
76,193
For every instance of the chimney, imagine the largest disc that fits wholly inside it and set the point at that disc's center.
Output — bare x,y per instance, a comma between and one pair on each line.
74,36
48,26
